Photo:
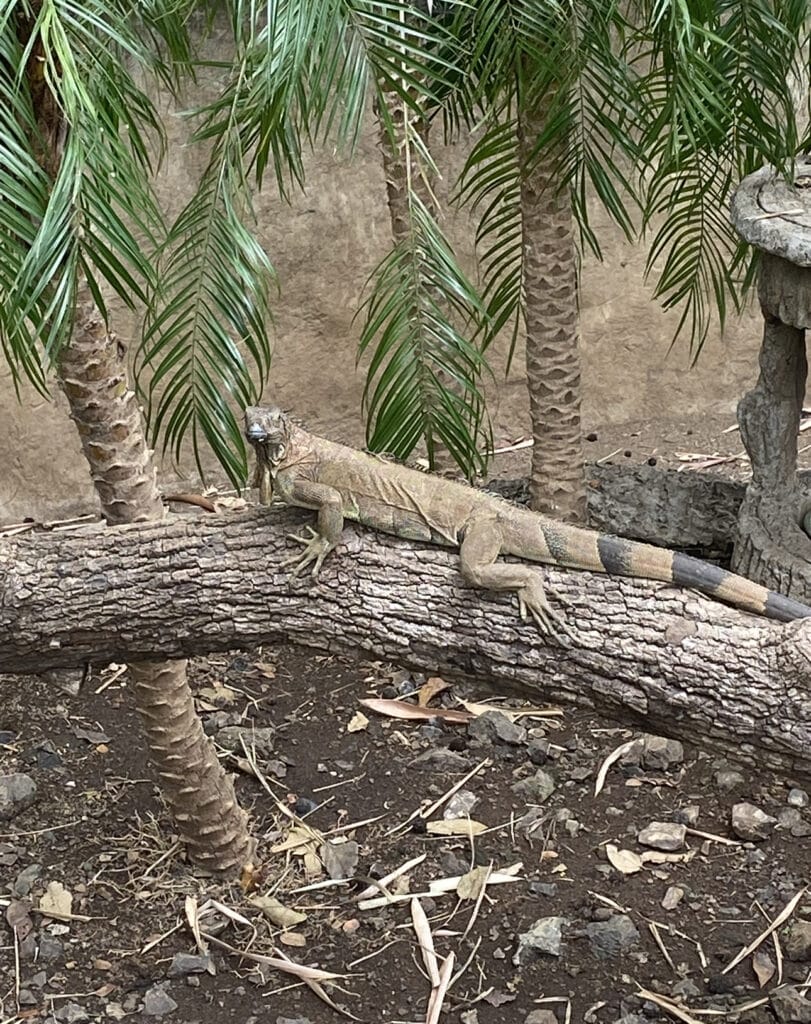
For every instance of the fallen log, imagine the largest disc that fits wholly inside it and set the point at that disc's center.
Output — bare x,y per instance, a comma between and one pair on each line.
667,659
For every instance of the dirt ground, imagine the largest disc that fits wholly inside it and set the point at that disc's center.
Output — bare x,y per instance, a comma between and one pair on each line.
558,909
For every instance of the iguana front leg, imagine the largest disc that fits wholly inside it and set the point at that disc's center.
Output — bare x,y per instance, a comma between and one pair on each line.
480,548
325,537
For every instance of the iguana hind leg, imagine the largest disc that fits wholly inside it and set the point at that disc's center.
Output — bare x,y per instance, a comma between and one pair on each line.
480,548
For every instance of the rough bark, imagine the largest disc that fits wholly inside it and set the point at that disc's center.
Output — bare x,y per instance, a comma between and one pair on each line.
667,659
557,481
773,545
690,511
198,792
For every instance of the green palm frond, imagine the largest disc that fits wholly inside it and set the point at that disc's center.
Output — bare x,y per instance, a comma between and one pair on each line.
305,71
206,334
699,253
77,141
423,379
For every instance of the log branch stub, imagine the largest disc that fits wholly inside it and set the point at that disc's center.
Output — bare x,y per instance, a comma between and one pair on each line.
664,658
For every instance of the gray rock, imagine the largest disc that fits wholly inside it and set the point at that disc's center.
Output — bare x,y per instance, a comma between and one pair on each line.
687,815
440,759
614,937
672,897
17,791
538,750
751,823
543,937
190,963
158,1002
71,1013
797,798
663,835
495,726
536,789
292,1020
685,989
790,1005
661,753
541,1017
262,740
25,880
50,949
728,779
27,997
797,941
460,805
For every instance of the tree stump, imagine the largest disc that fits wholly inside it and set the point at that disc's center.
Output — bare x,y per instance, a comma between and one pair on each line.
773,545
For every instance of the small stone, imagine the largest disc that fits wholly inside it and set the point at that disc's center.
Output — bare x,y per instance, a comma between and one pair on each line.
727,779
543,889
190,963
790,1005
797,941
17,791
536,789
797,798
687,815
71,1013
495,726
663,835
49,948
541,1017
158,1002
543,937
292,1020
660,753
25,880
262,740
442,760
460,805
751,823
614,937
27,997
538,750
672,897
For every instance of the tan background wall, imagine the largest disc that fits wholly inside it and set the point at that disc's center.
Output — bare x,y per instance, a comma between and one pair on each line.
324,247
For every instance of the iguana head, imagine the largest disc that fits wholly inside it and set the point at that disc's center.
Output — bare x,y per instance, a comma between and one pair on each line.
268,430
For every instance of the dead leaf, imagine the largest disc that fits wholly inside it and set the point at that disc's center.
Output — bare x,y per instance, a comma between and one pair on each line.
402,709
266,668
477,708
219,693
430,688
293,939
625,861
471,884
358,722
277,913
612,758
661,857
57,901
455,827
340,858
763,966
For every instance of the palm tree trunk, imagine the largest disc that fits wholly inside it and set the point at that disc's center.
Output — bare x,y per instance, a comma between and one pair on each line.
557,478
199,794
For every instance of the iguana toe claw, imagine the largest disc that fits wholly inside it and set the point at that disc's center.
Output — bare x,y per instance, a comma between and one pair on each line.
532,600
316,549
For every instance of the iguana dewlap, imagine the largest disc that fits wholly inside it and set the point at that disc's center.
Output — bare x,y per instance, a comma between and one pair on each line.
339,482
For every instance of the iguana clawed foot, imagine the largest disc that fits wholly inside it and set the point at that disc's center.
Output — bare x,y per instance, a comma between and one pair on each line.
316,549
532,601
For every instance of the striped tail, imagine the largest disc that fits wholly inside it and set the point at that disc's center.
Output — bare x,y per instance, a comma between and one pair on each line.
629,558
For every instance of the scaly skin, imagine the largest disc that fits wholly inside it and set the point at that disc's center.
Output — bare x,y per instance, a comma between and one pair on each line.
342,483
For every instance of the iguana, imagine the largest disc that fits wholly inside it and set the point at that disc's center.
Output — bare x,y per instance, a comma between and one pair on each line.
341,483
